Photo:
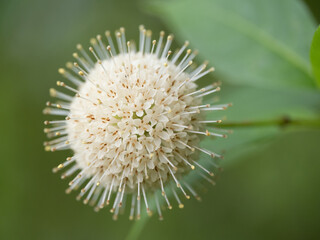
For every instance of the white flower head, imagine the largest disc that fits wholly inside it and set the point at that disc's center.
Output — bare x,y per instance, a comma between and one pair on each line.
134,123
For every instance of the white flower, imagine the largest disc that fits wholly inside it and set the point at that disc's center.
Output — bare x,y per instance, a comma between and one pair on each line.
135,121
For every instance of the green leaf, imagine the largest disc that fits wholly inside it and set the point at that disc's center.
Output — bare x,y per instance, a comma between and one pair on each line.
315,55
262,43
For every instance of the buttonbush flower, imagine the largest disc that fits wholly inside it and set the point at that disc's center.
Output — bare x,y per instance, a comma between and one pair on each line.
133,117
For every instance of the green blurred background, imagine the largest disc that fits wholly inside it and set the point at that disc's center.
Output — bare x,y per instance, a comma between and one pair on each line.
269,188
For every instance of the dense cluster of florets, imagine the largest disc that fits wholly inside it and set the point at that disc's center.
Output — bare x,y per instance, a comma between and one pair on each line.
135,121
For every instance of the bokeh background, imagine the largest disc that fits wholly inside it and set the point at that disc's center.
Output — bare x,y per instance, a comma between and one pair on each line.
269,188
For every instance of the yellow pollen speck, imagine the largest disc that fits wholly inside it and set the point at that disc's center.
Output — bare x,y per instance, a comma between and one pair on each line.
53,92
61,71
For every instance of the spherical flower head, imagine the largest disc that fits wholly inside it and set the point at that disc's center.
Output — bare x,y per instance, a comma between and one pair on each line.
135,121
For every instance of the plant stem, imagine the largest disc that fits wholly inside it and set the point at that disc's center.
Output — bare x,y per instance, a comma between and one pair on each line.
281,122
137,228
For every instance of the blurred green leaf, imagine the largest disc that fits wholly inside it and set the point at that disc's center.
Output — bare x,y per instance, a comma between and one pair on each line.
315,55
263,43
